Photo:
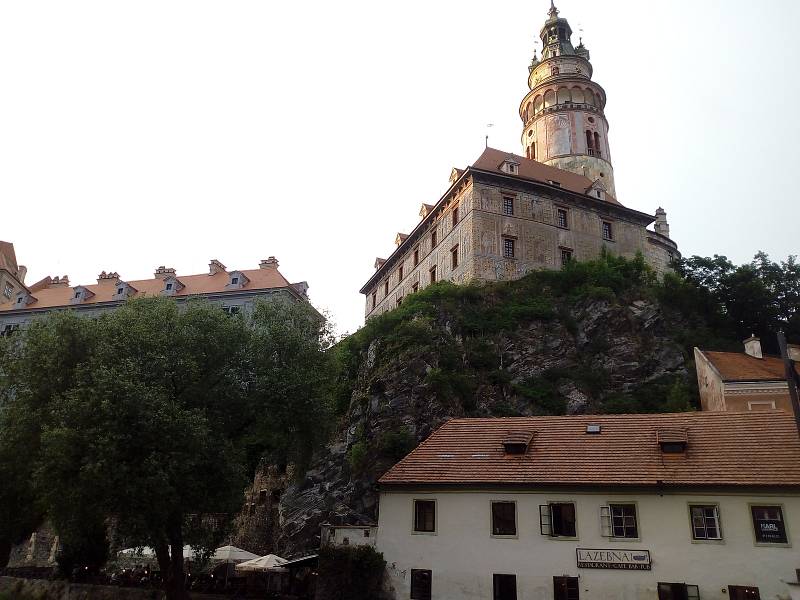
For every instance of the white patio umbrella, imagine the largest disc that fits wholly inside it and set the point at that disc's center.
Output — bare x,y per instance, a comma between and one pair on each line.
270,562
147,552
232,554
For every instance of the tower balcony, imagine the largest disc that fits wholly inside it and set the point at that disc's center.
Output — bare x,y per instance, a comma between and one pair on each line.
597,153
554,108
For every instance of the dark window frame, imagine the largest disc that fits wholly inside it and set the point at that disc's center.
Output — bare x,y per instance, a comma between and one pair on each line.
781,528
608,231
562,212
421,584
566,588
423,518
504,521
744,592
555,523
454,257
677,591
508,206
504,586
509,247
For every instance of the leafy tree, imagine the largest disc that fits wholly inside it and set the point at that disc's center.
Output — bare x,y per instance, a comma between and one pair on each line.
140,420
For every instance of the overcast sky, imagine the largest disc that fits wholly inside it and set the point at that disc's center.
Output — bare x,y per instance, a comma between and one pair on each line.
139,134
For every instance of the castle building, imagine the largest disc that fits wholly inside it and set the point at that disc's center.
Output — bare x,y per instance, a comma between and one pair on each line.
235,291
12,275
508,214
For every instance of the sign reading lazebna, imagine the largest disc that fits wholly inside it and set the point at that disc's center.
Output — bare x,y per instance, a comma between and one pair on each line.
630,560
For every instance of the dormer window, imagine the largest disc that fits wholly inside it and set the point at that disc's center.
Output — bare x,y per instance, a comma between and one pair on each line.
510,166
517,442
172,285
672,441
237,280
123,291
81,294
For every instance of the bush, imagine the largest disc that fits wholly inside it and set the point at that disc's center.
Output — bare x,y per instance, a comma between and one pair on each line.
358,456
350,573
394,445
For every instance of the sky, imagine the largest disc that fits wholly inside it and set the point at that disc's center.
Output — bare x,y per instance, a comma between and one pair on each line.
171,132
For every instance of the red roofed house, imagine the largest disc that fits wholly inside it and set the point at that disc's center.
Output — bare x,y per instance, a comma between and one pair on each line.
662,507
508,214
743,381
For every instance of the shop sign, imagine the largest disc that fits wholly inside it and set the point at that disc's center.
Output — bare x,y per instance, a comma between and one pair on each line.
771,530
626,560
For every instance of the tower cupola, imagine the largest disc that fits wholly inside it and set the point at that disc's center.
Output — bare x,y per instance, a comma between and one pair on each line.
563,120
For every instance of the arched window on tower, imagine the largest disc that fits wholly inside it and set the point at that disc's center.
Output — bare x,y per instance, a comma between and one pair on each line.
528,152
554,71
533,150
597,143
589,142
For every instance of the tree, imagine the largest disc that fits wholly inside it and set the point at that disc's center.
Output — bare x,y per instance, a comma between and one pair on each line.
140,420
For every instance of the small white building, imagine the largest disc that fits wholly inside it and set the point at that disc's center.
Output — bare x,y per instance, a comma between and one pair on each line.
623,507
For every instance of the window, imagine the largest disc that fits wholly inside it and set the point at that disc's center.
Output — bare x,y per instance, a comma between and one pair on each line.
421,580
742,592
400,273
678,591
508,248
455,215
565,588
566,256
231,310
415,288
508,205
769,525
399,300
619,521
504,518
8,290
20,300
557,519
705,522
8,330
454,257
374,299
168,288
505,587
561,218
120,291
433,239
386,288
598,193
234,280
607,231
416,256
425,516
433,274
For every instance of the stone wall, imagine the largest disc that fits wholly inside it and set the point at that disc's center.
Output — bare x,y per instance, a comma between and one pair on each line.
40,589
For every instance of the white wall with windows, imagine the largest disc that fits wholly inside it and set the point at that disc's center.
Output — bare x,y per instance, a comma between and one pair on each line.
526,545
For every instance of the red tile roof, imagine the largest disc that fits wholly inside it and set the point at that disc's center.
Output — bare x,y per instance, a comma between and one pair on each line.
737,366
52,297
724,449
491,159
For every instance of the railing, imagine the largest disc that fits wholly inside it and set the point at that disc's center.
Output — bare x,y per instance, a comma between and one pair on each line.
593,152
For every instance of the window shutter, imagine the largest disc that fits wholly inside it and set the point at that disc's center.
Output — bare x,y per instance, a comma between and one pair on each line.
545,524
605,522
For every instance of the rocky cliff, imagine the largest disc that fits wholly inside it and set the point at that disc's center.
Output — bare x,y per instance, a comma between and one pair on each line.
552,343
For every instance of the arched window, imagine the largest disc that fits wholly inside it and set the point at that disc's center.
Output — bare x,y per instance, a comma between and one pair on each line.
564,96
589,141
537,104
597,143
589,97
577,95
528,113
533,151
528,152
549,98
554,71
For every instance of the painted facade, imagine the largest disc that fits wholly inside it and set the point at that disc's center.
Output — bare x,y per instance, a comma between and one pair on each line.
12,275
508,214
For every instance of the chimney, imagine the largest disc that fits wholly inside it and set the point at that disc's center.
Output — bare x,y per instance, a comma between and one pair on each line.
752,347
661,226
163,272
108,277
22,271
270,263
215,267
794,352
57,281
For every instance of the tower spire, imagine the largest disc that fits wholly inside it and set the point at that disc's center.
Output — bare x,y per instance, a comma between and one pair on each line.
553,12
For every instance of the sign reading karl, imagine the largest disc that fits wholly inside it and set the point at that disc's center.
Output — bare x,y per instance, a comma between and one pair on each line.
629,560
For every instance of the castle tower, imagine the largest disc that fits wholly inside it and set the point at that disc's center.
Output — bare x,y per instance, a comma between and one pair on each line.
563,121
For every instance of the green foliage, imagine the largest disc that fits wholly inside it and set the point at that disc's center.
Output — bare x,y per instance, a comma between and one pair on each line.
543,394
451,385
357,456
670,393
394,445
146,416
350,573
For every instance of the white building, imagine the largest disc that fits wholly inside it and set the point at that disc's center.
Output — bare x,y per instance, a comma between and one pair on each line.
672,506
